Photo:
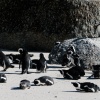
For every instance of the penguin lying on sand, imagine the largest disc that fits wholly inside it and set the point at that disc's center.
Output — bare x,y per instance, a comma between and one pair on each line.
86,86
44,80
24,84
3,78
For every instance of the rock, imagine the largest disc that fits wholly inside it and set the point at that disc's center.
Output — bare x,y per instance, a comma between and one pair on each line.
88,50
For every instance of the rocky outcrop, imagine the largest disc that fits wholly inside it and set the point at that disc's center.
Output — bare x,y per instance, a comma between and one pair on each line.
87,49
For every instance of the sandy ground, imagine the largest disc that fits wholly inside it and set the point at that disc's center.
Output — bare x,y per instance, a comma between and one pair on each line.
61,90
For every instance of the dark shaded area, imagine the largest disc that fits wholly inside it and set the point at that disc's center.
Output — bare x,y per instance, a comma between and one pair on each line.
16,88
36,15
38,24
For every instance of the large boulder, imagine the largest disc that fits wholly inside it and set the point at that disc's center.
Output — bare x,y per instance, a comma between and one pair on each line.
88,50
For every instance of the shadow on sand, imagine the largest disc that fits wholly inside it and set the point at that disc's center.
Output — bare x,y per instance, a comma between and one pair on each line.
91,77
55,67
16,88
9,73
71,91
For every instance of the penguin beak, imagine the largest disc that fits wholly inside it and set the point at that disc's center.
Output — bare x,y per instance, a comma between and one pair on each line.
75,84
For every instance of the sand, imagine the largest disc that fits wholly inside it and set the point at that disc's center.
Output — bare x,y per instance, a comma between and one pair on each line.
61,90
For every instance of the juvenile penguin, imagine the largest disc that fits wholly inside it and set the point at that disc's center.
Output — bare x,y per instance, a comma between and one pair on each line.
3,78
24,84
86,86
44,80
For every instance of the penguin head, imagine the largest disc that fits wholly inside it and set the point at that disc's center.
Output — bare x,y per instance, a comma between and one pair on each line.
41,55
20,50
23,85
36,82
76,84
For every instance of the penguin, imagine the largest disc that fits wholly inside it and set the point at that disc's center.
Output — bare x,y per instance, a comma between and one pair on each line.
25,61
66,60
76,59
3,78
24,84
86,86
74,73
65,74
35,62
43,63
4,61
40,64
44,80
70,74
96,72
16,57
79,69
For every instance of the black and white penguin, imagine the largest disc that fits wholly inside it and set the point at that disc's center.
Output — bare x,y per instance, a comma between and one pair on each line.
66,74
25,60
73,73
35,62
86,86
15,58
40,64
44,80
3,78
71,50
76,60
4,61
70,74
66,60
43,63
24,84
79,69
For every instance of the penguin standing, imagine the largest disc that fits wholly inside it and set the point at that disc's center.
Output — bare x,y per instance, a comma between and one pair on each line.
25,61
40,64
43,63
